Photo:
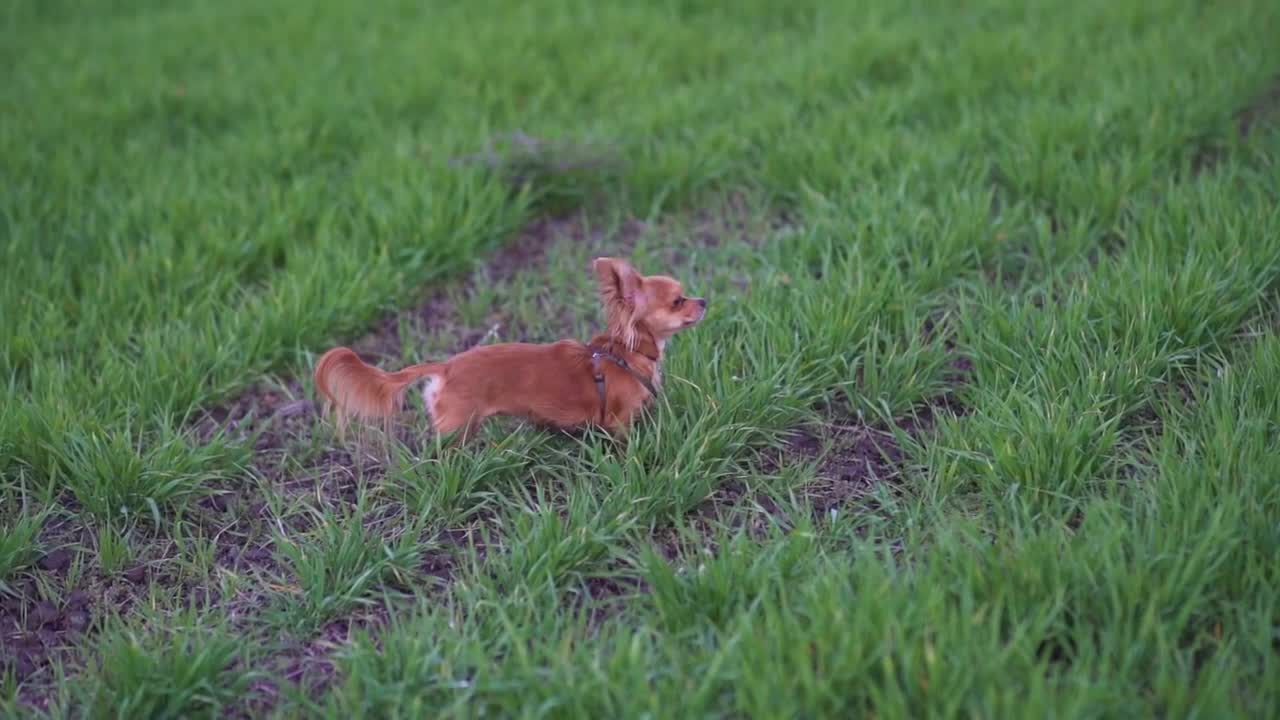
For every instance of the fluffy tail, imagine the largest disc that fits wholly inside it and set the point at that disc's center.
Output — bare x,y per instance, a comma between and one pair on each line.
354,389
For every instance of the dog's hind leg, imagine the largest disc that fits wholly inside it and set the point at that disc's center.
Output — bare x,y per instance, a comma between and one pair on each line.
458,428
451,415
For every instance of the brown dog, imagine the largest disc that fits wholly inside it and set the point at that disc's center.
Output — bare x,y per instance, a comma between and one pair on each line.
566,384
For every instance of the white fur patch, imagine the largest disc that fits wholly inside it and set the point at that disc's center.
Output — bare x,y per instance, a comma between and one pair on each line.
657,367
431,393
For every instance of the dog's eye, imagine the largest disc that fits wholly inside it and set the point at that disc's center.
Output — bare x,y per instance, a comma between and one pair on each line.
679,301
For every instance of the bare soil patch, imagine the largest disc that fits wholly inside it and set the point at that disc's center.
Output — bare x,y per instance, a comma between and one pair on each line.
309,662
1262,111
851,458
68,595
1265,108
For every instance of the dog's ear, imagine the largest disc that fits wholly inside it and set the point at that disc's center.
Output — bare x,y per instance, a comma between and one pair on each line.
622,294
619,283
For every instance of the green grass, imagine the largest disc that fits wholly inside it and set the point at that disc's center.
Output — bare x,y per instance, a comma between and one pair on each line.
19,546
186,672
201,197
336,565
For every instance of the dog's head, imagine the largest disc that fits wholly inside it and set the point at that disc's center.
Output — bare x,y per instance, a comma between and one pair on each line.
632,301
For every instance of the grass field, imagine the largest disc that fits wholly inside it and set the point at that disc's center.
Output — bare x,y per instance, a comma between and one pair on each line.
984,420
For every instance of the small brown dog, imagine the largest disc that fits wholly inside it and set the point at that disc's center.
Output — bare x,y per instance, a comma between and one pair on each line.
566,384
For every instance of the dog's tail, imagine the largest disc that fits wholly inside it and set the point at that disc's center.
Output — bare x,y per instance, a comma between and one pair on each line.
354,389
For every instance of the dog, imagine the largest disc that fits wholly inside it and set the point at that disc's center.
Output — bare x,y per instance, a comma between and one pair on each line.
565,384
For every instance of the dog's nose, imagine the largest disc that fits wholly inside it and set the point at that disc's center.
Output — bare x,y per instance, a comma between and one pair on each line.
703,302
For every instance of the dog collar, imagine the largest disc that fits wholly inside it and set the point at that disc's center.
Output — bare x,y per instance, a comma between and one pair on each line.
597,373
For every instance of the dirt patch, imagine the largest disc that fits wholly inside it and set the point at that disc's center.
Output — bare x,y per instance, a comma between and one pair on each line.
851,461
35,630
850,457
853,456
309,662
439,562
860,456
562,174
57,605
604,597
1262,111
